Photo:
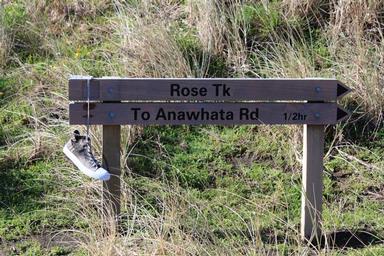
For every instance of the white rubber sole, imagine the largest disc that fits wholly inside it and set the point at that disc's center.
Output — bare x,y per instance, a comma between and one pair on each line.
99,174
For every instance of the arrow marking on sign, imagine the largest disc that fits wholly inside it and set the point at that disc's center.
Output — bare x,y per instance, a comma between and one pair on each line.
341,114
342,89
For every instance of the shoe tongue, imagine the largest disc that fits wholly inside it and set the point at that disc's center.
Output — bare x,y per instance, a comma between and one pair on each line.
77,137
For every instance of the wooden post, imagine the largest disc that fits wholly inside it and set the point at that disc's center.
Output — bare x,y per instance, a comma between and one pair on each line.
111,162
311,200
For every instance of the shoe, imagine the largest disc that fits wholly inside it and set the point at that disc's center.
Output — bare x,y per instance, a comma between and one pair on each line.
78,150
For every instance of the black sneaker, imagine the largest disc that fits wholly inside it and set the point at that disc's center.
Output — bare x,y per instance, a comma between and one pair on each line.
78,150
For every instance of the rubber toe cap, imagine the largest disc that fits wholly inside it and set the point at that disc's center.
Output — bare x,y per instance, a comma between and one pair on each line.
103,174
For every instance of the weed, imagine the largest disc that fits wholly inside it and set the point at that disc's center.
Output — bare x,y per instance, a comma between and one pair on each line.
206,190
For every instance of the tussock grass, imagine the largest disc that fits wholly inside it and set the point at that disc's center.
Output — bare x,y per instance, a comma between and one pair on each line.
221,31
188,190
356,19
5,42
4,49
360,41
166,228
147,48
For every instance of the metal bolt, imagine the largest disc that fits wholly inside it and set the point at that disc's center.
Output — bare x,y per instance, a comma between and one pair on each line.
317,89
111,115
317,115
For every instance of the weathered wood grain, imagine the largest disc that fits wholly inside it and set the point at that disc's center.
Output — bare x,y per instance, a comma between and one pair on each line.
126,89
267,113
111,162
312,191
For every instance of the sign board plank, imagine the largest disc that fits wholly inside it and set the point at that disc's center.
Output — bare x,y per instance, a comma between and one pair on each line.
205,113
210,89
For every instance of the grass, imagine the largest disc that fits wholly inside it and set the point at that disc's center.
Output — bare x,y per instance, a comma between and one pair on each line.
204,190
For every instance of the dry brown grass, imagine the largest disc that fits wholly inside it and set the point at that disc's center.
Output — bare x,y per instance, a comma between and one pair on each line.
286,59
5,42
356,42
147,47
4,50
141,42
148,231
311,11
356,19
221,31
299,8
64,15
362,68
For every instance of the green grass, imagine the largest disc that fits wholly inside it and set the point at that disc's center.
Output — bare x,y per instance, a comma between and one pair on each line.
25,205
243,190
203,189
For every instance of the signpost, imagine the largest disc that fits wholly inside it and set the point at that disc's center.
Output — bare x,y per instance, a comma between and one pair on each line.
160,101
214,89
206,113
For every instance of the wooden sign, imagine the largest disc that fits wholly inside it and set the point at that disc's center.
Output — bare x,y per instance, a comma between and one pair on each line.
125,89
174,101
206,113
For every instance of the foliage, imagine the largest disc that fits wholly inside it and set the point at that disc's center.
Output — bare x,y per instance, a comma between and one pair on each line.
204,190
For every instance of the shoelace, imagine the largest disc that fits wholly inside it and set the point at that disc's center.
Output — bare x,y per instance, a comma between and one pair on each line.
92,160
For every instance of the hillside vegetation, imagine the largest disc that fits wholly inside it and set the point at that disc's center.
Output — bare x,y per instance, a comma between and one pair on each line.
189,190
